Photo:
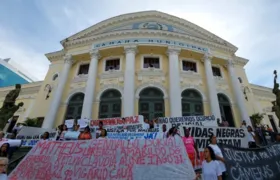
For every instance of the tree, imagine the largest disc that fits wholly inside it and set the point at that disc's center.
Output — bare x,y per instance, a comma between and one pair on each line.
257,118
31,122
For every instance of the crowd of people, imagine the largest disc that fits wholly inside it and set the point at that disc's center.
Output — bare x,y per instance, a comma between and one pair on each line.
213,164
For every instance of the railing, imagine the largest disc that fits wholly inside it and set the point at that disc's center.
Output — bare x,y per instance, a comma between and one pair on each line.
13,164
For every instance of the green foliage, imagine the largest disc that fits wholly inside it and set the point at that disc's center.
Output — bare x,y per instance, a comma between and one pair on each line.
257,118
31,122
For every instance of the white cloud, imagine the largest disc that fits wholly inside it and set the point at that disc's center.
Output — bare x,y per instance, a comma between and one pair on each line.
253,26
34,62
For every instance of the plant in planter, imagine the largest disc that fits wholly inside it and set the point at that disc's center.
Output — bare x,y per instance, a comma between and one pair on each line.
31,122
257,118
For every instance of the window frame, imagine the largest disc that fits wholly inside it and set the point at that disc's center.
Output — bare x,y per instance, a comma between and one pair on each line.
151,56
219,67
112,58
78,68
192,61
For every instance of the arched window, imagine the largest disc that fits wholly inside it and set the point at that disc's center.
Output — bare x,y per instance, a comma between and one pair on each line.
110,104
75,106
192,104
225,109
151,103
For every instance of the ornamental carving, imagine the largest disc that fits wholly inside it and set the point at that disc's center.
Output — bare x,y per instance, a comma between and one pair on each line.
151,75
106,82
77,85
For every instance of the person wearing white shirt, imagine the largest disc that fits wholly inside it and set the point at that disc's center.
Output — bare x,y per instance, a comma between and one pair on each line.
219,155
251,138
164,131
146,124
210,167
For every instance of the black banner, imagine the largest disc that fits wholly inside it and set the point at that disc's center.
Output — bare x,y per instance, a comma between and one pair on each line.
252,164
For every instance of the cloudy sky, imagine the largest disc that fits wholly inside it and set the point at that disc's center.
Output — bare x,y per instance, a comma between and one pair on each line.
31,28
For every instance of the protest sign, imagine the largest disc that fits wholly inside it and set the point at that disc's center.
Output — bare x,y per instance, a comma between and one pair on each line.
118,121
135,135
188,120
106,159
243,163
11,142
226,135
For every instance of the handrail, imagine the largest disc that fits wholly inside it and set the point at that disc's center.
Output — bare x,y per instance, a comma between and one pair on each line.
16,159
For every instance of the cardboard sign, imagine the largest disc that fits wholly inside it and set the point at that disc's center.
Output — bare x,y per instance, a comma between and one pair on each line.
106,159
243,163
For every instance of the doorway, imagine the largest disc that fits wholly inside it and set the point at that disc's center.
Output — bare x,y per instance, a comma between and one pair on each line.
225,109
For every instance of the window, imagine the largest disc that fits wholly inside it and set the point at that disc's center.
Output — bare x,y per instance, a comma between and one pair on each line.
189,66
55,77
216,71
112,64
151,62
83,69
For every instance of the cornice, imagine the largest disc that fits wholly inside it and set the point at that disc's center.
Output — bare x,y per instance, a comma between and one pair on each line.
136,33
55,56
148,14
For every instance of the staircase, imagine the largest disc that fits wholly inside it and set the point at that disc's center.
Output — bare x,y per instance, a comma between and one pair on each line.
17,156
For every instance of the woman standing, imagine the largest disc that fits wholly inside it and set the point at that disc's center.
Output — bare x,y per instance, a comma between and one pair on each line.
219,155
190,146
85,135
210,167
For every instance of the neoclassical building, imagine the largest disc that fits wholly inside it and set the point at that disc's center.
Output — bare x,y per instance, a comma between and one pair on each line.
148,63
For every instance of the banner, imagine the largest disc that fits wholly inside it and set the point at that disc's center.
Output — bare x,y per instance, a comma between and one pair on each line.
106,159
118,121
135,135
188,120
262,163
27,132
226,135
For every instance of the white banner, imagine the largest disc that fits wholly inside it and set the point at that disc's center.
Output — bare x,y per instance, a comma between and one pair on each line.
106,159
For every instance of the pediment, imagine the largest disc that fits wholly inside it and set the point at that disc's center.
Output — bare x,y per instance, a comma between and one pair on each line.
150,20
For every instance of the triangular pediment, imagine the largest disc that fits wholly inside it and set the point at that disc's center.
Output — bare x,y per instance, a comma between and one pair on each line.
150,20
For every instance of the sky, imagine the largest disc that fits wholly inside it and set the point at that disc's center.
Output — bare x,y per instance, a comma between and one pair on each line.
31,28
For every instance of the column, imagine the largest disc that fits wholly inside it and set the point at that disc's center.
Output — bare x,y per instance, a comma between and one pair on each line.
54,106
211,86
239,96
90,86
129,78
174,82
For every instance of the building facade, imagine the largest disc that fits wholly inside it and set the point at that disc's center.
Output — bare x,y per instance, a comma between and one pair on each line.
11,74
147,63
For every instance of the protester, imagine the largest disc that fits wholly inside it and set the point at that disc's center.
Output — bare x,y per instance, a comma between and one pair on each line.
4,150
103,134
76,127
210,167
224,122
98,131
173,132
243,125
219,155
3,168
85,135
251,138
164,131
64,130
146,124
45,136
190,146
